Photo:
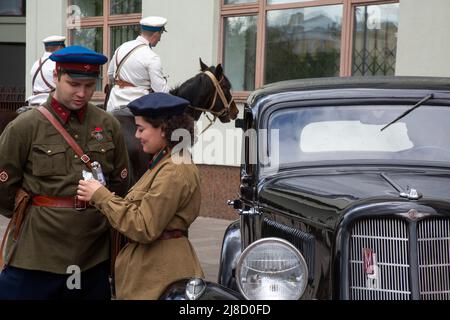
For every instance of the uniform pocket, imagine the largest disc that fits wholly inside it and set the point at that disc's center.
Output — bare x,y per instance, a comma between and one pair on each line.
103,153
49,159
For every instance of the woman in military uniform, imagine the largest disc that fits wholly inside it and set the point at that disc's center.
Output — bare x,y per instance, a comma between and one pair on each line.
158,210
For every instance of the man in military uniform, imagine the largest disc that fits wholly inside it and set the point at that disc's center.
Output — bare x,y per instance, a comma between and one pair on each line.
63,248
42,71
135,69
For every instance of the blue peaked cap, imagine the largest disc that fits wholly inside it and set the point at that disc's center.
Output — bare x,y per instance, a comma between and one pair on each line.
158,104
78,54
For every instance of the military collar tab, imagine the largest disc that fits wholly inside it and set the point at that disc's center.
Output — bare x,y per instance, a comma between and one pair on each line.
158,157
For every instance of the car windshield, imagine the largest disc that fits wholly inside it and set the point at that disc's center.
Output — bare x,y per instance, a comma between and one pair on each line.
299,136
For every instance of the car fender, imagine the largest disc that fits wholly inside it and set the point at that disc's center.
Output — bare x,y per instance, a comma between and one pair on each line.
229,255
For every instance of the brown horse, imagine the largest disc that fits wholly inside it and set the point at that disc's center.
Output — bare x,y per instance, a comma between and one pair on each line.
208,92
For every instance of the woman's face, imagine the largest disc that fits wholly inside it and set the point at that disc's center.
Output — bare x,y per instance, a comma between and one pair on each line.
152,139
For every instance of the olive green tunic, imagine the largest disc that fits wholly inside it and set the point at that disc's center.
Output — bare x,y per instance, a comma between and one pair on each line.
167,197
34,156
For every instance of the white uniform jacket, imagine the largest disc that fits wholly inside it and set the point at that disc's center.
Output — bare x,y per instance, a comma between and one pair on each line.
40,89
142,69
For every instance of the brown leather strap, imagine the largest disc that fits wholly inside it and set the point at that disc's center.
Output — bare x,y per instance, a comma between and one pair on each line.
45,80
59,202
120,64
21,202
122,84
72,143
39,70
172,234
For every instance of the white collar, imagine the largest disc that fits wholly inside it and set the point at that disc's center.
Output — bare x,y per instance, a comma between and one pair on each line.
143,40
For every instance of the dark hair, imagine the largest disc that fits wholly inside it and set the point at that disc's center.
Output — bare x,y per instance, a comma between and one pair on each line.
60,72
169,124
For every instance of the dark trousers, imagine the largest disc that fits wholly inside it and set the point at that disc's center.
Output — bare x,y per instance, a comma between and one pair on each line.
22,284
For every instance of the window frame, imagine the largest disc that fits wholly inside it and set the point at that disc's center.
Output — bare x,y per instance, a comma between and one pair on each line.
260,9
23,10
105,22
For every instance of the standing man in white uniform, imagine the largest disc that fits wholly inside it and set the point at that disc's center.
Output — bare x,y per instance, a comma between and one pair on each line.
42,71
135,69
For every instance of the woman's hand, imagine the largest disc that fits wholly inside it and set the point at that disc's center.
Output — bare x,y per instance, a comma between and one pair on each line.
86,189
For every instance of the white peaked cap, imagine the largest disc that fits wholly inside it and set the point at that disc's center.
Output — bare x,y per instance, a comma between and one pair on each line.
153,23
54,39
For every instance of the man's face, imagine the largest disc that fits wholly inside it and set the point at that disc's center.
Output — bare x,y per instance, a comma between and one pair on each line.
156,37
74,93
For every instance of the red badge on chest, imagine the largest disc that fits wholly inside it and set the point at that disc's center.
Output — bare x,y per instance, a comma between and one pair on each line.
97,134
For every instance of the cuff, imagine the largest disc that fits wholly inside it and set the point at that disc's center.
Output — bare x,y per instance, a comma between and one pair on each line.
100,197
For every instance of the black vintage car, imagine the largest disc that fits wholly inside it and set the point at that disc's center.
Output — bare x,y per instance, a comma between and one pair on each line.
345,194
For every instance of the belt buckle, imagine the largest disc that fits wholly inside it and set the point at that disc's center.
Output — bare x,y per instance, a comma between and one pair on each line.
79,205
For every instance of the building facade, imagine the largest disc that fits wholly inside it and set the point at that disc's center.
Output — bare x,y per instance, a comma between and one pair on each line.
258,42
12,46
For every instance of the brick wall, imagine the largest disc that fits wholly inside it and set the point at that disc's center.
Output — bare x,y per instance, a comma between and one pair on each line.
219,184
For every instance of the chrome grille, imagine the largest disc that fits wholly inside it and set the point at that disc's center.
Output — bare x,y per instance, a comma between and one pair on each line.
405,251
433,244
387,239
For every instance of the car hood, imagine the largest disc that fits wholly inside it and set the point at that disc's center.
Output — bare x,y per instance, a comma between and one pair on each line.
323,197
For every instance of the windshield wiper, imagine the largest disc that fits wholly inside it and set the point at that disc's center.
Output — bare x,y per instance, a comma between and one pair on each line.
418,104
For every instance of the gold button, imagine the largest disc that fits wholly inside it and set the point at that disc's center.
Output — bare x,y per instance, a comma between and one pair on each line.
103,150
76,157
49,151
76,136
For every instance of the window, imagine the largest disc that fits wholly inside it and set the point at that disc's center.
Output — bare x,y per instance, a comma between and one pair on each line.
272,40
12,8
375,39
103,25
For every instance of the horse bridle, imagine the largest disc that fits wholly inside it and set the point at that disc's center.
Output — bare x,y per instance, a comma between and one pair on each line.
218,92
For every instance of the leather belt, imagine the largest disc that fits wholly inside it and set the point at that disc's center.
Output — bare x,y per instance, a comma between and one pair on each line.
122,84
40,92
60,202
173,234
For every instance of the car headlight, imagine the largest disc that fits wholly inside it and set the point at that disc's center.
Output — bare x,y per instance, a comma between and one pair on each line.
271,269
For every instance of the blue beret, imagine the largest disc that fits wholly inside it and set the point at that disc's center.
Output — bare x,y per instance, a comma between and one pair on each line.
78,54
158,104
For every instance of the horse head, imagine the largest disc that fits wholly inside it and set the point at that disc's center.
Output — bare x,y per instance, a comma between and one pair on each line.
209,91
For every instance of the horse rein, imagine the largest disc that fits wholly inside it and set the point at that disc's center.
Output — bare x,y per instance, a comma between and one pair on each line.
218,92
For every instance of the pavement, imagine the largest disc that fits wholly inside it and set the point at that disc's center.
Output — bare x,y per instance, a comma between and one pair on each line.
206,236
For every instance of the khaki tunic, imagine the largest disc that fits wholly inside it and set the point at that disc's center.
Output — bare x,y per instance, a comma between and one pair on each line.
167,197
34,156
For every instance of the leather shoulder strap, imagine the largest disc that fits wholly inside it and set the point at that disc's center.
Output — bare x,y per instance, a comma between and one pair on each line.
72,143
39,70
43,78
120,64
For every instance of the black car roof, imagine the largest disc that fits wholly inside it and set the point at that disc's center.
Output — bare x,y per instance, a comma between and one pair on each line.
394,82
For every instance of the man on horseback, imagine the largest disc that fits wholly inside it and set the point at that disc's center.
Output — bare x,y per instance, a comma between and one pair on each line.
42,71
135,69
